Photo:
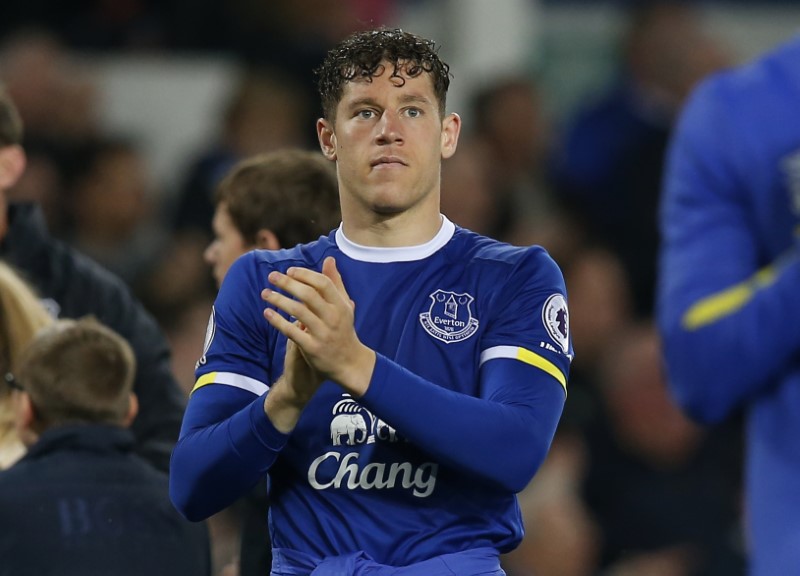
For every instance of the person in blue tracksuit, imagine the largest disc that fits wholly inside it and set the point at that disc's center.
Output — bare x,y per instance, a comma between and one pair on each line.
728,305
398,381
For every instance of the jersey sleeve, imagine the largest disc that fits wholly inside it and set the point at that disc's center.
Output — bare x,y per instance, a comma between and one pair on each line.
502,435
227,443
718,304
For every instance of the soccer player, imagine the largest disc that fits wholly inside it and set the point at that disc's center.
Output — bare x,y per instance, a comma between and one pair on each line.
399,380
728,304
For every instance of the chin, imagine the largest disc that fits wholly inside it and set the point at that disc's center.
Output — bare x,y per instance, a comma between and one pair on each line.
387,209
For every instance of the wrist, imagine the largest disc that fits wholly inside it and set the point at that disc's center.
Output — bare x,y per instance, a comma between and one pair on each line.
357,373
283,405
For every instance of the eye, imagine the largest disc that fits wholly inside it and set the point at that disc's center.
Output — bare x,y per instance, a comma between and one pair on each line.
413,112
365,114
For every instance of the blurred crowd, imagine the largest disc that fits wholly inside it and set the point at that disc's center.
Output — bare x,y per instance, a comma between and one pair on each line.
631,486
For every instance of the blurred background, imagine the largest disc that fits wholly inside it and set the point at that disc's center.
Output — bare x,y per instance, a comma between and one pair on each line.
134,109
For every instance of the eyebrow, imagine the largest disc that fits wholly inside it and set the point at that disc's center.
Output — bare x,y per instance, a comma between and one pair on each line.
404,99
415,99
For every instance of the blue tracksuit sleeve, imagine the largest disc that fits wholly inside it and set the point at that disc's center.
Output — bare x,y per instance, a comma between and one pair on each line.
718,326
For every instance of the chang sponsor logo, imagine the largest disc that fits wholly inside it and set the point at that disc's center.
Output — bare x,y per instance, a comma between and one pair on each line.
353,425
349,473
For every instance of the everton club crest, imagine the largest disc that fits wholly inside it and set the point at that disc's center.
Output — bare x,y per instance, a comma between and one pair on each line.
449,318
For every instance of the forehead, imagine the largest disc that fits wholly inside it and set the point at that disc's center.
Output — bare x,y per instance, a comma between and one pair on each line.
393,81
222,217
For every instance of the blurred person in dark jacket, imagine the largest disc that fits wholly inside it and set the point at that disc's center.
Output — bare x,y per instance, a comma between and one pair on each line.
81,501
72,285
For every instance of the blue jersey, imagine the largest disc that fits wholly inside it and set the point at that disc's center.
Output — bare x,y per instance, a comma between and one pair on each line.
473,352
729,294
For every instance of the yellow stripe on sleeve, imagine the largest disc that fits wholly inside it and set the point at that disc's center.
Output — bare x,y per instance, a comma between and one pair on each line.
543,364
231,379
716,306
209,378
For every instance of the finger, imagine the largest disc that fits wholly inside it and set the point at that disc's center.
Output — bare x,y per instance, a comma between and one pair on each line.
294,308
299,285
317,290
331,270
328,282
292,330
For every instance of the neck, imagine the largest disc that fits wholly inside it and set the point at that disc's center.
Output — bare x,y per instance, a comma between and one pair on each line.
393,231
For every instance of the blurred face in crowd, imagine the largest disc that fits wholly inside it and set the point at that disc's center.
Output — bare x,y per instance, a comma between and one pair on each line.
12,165
388,139
227,246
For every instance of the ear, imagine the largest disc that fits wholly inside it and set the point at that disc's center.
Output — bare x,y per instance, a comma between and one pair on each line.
26,419
451,128
266,240
327,138
12,165
133,410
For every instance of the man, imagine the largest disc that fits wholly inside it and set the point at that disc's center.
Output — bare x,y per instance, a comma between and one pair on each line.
406,377
80,501
729,278
269,201
73,286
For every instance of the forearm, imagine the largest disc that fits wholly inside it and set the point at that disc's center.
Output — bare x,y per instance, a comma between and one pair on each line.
501,443
720,355
215,464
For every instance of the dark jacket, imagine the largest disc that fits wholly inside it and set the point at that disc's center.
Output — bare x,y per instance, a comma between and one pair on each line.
82,503
74,286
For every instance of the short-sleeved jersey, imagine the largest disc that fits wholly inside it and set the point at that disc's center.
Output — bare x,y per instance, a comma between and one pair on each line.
354,475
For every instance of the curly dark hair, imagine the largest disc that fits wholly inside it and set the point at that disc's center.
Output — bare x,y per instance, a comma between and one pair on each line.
361,54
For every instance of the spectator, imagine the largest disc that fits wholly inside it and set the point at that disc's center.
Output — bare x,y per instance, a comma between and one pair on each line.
660,488
73,286
511,124
271,201
608,167
80,501
22,315
264,113
114,217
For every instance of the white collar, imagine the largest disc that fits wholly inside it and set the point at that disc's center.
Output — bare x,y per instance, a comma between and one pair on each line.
396,254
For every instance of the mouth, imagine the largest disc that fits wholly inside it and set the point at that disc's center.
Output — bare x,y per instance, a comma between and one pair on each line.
387,162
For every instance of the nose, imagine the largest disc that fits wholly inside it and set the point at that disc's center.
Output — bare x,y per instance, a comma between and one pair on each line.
209,255
389,131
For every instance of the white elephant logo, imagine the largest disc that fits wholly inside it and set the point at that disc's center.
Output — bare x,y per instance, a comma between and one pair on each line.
349,426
